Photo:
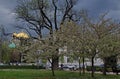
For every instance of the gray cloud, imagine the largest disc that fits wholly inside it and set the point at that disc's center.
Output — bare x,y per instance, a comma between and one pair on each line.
94,7
7,15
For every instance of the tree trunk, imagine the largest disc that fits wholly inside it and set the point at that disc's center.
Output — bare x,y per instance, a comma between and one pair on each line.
55,62
79,68
105,67
20,57
0,52
37,63
55,57
52,68
92,67
117,71
83,65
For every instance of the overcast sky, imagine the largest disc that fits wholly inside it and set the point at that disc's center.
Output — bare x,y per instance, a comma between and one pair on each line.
7,15
95,7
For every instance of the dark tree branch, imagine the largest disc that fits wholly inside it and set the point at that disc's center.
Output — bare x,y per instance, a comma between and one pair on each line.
69,6
55,14
43,14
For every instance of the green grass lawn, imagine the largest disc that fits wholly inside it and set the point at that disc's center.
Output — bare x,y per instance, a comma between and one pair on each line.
46,74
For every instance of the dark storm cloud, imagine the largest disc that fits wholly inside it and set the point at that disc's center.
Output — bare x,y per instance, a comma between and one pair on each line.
7,15
95,7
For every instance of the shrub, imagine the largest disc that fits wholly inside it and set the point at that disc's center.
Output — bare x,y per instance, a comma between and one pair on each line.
21,67
96,68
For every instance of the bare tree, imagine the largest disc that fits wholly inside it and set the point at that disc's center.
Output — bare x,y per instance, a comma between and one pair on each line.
49,14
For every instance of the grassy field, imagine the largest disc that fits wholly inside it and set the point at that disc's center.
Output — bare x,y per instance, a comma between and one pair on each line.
46,74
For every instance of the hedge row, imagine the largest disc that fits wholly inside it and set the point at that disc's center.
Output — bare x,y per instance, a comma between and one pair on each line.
97,68
21,67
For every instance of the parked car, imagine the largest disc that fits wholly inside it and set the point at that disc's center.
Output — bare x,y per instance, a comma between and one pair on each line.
1,64
69,67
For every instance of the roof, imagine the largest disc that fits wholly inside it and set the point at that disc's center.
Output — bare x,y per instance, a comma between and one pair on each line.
12,45
21,35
